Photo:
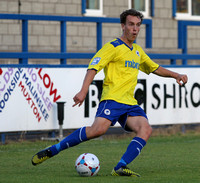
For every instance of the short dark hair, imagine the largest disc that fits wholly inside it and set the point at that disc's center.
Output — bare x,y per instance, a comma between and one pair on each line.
131,12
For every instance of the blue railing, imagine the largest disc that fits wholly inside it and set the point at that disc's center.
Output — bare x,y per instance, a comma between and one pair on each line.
173,8
63,55
182,35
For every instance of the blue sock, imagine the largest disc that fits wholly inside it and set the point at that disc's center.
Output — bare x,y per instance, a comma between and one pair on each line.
132,152
73,139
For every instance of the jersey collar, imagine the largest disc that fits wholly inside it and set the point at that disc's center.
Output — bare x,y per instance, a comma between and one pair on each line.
122,42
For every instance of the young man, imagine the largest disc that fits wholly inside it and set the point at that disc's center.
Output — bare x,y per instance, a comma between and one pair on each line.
121,60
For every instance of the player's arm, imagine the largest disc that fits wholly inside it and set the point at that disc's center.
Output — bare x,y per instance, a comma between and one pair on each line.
80,96
181,79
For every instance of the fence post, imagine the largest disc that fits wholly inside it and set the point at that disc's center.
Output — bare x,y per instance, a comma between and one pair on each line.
3,138
24,41
173,8
173,61
99,35
149,34
184,49
63,45
83,7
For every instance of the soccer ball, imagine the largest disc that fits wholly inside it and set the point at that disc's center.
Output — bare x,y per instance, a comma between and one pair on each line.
87,165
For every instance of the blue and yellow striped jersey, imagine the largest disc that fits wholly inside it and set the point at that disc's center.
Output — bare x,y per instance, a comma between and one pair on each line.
121,66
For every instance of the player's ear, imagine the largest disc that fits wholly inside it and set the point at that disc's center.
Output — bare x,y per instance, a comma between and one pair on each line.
123,27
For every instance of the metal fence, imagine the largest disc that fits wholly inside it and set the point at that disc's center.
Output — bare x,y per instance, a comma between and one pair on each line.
63,55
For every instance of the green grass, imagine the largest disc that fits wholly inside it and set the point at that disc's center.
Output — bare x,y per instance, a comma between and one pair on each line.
167,159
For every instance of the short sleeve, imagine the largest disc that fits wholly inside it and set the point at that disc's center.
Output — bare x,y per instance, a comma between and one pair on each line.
146,64
102,57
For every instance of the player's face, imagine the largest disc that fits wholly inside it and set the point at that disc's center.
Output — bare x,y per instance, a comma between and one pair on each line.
131,28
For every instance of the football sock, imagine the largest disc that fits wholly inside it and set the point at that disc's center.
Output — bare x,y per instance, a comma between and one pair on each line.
132,152
73,139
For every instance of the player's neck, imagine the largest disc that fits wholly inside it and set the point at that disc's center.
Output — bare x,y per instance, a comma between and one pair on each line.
128,42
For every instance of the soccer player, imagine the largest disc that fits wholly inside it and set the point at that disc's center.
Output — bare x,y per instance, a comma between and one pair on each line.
121,60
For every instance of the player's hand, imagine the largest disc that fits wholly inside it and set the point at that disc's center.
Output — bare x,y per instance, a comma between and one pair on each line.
78,99
182,79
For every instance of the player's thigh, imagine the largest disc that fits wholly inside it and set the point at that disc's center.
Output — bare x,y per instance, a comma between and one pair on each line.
98,128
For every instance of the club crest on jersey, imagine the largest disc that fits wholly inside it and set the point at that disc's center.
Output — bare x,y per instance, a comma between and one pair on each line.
95,61
138,53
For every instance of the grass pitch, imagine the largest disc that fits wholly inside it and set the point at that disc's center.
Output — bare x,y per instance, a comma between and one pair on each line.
166,159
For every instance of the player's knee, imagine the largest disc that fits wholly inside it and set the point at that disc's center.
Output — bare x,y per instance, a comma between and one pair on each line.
147,131
100,131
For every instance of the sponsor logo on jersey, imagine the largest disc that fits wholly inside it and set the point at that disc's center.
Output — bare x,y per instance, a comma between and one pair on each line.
131,64
95,61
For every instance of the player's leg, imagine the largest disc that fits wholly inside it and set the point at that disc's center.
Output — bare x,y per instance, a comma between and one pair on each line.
143,131
140,125
98,128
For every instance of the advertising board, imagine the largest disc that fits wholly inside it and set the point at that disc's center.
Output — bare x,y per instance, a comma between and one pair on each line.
28,98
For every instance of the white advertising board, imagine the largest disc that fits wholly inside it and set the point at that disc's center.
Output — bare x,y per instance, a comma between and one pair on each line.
28,98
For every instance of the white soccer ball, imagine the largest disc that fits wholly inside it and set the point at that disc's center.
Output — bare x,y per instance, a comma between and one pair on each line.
87,165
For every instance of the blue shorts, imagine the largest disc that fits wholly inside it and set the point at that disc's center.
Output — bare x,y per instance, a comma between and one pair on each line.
118,112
